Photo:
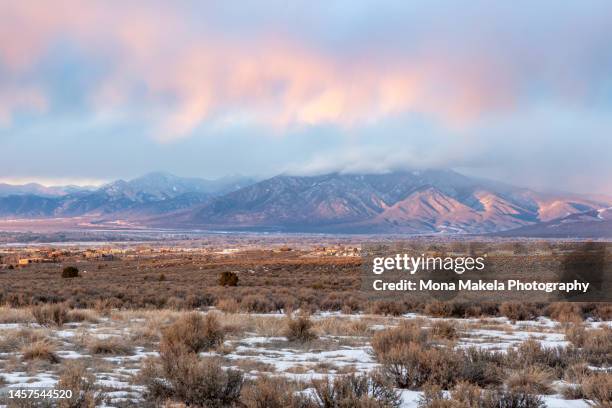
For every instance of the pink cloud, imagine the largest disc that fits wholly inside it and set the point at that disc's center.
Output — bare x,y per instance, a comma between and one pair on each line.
194,76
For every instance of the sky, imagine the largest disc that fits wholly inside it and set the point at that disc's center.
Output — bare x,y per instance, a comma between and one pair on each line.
517,91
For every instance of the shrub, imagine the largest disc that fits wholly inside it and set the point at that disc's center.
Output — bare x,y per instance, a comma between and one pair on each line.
597,346
516,311
40,350
407,332
365,391
444,330
388,308
576,334
439,309
228,305
598,388
271,392
257,304
51,314
513,399
465,395
412,365
565,312
299,329
572,392
70,272
74,377
228,278
193,333
110,345
481,366
534,380
193,381
531,353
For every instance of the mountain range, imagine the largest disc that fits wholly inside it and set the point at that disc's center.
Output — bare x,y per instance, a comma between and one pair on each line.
404,202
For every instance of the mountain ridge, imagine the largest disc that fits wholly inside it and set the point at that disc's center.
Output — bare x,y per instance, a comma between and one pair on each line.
427,201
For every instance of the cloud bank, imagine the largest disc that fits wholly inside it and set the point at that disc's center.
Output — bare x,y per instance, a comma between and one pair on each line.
445,84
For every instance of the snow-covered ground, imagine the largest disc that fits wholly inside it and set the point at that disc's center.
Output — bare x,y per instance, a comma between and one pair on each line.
256,347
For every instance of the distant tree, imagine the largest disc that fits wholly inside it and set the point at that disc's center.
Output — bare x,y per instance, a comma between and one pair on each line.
228,278
70,272
161,277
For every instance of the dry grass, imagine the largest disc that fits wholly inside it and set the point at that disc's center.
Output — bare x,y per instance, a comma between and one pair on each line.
300,329
517,311
270,392
186,378
75,377
40,350
15,315
50,314
194,332
443,329
364,391
598,388
533,380
336,326
465,395
114,345
228,305
407,332
83,315
13,340
597,346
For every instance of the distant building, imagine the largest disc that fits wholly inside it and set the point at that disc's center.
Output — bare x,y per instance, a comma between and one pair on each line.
25,261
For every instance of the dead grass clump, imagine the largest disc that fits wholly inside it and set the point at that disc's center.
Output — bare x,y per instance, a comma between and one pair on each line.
517,311
257,304
75,377
13,340
465,395
365,391
387,308
271,392
300,329
597,346
412,365
110,346
565,312
228,305
82,315
532,353
342,327
13,315
572,392
184,377
598,388
444,330
40,350
55,314
439,309
407,332
601,311
533,380
193,332
269,326
481,366
576,334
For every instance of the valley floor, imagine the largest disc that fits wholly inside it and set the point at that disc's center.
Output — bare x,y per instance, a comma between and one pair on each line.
114,346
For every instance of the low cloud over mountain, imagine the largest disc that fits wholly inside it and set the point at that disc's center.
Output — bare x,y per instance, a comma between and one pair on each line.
410,202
